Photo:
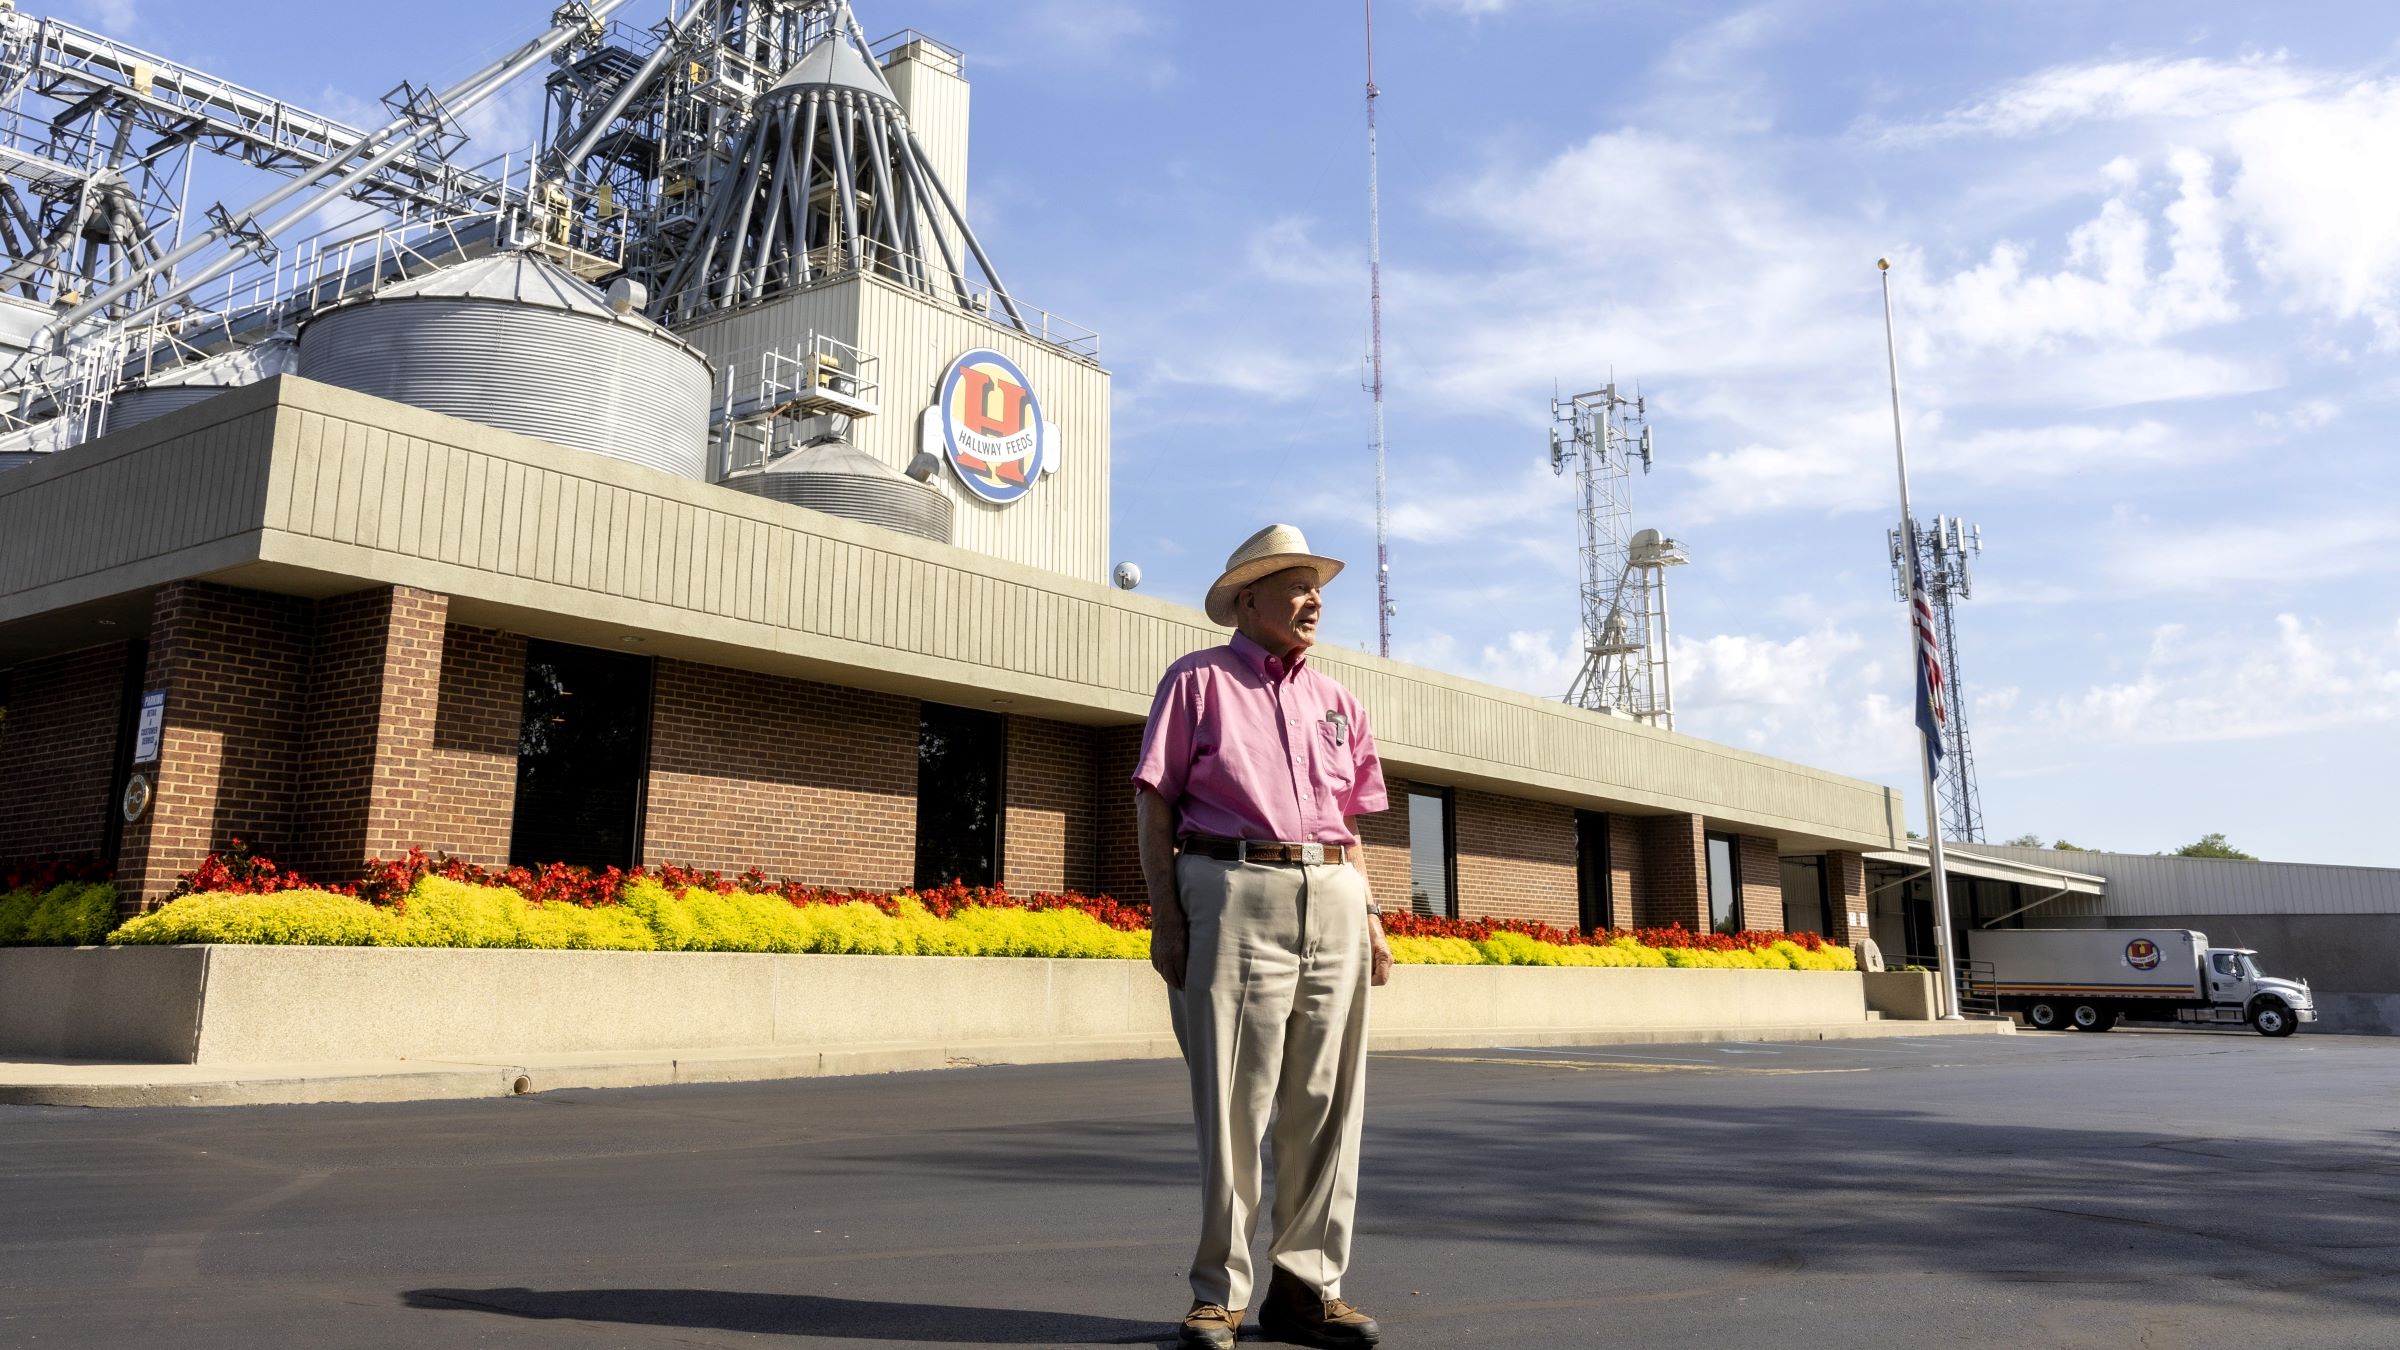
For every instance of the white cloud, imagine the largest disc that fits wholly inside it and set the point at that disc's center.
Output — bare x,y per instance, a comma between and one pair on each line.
2225,686
2107,286
2318,197
2188,558
1820,698
2048,100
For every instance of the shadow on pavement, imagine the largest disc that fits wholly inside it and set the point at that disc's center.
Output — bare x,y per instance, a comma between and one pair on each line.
798,1315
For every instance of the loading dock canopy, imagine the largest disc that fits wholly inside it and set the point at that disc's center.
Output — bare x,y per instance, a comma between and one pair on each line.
1963,862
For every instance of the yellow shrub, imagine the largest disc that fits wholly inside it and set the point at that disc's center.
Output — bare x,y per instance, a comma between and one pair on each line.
649,917
1435,951
287,918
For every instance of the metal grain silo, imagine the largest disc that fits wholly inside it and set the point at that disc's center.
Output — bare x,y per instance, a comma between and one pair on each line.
515,341
199,382
840,480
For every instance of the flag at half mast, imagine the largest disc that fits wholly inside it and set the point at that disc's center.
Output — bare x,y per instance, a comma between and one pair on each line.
1933,696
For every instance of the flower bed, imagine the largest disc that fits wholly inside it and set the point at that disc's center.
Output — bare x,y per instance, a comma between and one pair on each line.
423,901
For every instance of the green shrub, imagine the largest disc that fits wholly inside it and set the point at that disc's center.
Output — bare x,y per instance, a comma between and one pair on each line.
71,914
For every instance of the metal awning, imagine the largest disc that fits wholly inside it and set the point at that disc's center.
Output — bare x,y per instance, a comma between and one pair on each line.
1964,862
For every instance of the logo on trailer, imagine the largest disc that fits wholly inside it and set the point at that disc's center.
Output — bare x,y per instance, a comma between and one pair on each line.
991,426
2141,954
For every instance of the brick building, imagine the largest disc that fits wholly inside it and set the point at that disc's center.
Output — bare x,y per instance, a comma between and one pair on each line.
375,627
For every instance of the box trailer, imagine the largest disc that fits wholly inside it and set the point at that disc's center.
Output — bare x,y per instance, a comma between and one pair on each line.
2087,978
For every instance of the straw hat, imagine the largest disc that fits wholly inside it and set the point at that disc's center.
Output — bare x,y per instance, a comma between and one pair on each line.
1263,554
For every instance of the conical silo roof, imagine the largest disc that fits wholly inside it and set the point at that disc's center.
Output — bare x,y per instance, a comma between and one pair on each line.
514,275
837,63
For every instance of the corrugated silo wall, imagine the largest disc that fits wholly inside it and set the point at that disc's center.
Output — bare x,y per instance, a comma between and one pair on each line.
1062,524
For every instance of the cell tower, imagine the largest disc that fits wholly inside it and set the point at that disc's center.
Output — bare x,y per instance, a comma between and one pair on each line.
1943,550
1625,667
1383,553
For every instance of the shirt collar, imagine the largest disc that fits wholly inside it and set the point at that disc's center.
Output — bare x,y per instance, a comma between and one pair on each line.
1269,667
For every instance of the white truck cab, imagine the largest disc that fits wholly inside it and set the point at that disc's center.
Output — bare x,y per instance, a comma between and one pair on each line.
2237,986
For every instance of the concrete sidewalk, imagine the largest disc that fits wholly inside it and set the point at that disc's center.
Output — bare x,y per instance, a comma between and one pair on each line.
60,1082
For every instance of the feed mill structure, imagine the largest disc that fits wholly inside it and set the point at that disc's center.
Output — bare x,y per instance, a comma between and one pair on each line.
693,489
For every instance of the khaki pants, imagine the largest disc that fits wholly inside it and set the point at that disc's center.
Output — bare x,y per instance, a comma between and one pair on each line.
1272,1018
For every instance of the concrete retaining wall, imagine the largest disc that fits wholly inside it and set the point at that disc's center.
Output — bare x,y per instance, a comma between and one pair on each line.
1902,995
235,1005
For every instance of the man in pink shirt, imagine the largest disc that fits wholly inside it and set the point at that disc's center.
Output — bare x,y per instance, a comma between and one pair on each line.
1253,769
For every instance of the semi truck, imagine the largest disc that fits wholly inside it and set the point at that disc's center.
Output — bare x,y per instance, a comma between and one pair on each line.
2087,978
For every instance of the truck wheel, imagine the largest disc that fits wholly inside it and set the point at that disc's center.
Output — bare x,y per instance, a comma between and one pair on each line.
2043,1015
2271,1018
2093,1017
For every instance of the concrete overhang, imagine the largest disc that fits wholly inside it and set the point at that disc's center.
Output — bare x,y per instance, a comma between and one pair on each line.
1961,860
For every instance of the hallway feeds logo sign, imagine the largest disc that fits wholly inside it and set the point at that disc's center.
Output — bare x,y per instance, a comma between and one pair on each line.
2141,954
991,426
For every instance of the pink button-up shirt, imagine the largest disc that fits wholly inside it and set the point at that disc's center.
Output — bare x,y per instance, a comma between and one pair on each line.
1245,746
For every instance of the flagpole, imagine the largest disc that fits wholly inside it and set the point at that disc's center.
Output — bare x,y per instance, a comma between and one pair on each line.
1908,544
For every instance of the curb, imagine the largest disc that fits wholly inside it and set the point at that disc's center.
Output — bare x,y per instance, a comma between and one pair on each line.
72,1083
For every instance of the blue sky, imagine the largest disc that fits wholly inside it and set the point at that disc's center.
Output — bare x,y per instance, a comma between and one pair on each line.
2148,265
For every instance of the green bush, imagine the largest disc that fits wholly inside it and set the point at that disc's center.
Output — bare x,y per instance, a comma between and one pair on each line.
72,914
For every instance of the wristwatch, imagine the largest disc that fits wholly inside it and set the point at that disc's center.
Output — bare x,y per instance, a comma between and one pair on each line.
1375,909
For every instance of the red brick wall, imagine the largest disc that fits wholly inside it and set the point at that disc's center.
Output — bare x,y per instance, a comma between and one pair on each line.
1626,850
1117,861
1385,837
1672,887
1516,858
58,748
1846,879
364,789
235,665
471,766
804,780
1050,837
1761,870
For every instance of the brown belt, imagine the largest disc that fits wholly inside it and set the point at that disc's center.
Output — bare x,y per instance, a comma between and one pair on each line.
1264,851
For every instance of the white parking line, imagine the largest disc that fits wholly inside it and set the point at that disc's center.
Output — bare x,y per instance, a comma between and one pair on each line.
1597,1054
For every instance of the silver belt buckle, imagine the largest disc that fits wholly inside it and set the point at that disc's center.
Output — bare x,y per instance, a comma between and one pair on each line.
1312,855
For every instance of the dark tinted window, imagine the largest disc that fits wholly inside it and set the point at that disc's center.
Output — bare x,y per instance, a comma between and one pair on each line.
582,752
1595,900
961,757
1724,885
1432,873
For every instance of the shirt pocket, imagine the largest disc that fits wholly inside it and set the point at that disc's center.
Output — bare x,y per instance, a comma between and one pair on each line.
1333,758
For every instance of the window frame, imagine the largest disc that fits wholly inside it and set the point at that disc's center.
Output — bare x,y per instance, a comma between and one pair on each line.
645,743
1733,879
1595,872
999,723
1449,800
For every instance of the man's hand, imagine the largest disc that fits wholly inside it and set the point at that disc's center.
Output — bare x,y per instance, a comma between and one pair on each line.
1170,951
1379,953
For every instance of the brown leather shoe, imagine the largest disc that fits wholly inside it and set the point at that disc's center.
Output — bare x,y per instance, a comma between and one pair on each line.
1210,1325
1297,1314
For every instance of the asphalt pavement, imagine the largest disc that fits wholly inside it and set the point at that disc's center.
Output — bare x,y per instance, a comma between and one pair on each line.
2140,1188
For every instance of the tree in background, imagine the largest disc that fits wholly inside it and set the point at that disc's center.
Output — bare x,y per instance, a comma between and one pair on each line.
2213,846
2035,841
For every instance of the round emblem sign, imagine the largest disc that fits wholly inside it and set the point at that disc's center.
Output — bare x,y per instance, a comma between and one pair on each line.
137,797
2141,954
992,427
